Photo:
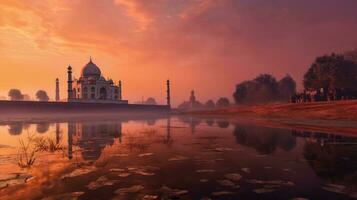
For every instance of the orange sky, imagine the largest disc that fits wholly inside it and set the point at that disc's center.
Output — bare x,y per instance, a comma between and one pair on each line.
206,45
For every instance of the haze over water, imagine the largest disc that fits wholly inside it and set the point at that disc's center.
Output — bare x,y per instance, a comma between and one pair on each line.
174,158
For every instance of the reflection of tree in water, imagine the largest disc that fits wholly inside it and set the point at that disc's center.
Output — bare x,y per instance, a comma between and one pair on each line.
331,161
15,128
42,127
223,124
209,122
330,156
265,140
91,138
151,122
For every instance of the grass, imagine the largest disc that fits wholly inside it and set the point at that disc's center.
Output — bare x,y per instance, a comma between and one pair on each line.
334,110
31,145
27,152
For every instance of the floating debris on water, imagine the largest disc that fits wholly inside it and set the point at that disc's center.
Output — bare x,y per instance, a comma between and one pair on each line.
121,155
222,149
132,168
271,186
71,196
267,167
227,183
150,197
124,174
221,193
246,170
172,192
79,172
335,188
132,189
178,158
14,179
100,182
117,170
263,190
273,182
145,154
143,173
233,176
205,171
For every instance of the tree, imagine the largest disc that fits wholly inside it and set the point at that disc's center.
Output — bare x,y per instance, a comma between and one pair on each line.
351,55
15,95
264,88
222,102
41,95
150,101
209,104
241,92
267,88
287,88
331,73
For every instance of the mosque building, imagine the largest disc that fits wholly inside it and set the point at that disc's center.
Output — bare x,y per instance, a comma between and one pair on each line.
91,86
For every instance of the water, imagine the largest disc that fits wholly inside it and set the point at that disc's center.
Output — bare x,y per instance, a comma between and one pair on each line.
173,158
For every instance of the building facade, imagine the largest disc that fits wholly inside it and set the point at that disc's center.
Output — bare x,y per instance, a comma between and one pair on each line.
91,86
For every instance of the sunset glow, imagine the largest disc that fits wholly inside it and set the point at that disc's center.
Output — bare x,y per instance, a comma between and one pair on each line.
205,45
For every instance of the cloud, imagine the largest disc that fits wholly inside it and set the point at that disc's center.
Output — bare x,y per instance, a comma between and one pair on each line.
227,40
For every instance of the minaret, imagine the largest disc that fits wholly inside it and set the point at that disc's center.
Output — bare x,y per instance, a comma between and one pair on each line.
168,93
69,83
57,90
192,99
120,96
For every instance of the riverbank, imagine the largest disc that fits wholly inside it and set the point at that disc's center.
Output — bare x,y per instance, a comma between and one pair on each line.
339,116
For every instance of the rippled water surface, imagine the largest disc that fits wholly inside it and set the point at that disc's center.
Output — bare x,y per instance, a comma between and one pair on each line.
172,158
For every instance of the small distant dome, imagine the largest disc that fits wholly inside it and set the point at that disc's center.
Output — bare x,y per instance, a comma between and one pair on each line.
102,78
91,69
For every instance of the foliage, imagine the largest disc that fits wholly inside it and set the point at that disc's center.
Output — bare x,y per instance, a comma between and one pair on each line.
209,104
26,153
15,95
286,87
31,144
263,89
223,102
41,95
330,73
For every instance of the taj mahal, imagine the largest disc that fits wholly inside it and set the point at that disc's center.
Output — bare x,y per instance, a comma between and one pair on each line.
92,87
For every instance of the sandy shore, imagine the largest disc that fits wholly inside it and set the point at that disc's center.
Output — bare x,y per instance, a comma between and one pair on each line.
335,117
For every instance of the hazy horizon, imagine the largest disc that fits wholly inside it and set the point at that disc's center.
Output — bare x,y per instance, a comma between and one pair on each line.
205,45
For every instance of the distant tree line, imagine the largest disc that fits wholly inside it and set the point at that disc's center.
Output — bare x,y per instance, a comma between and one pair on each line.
16,95
264,89
194,104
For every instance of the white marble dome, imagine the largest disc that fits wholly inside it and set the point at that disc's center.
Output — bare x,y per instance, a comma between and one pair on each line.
91,69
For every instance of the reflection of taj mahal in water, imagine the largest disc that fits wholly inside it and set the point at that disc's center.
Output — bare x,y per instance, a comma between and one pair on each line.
91,138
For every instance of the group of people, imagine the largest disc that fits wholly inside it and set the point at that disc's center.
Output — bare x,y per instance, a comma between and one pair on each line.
323,95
